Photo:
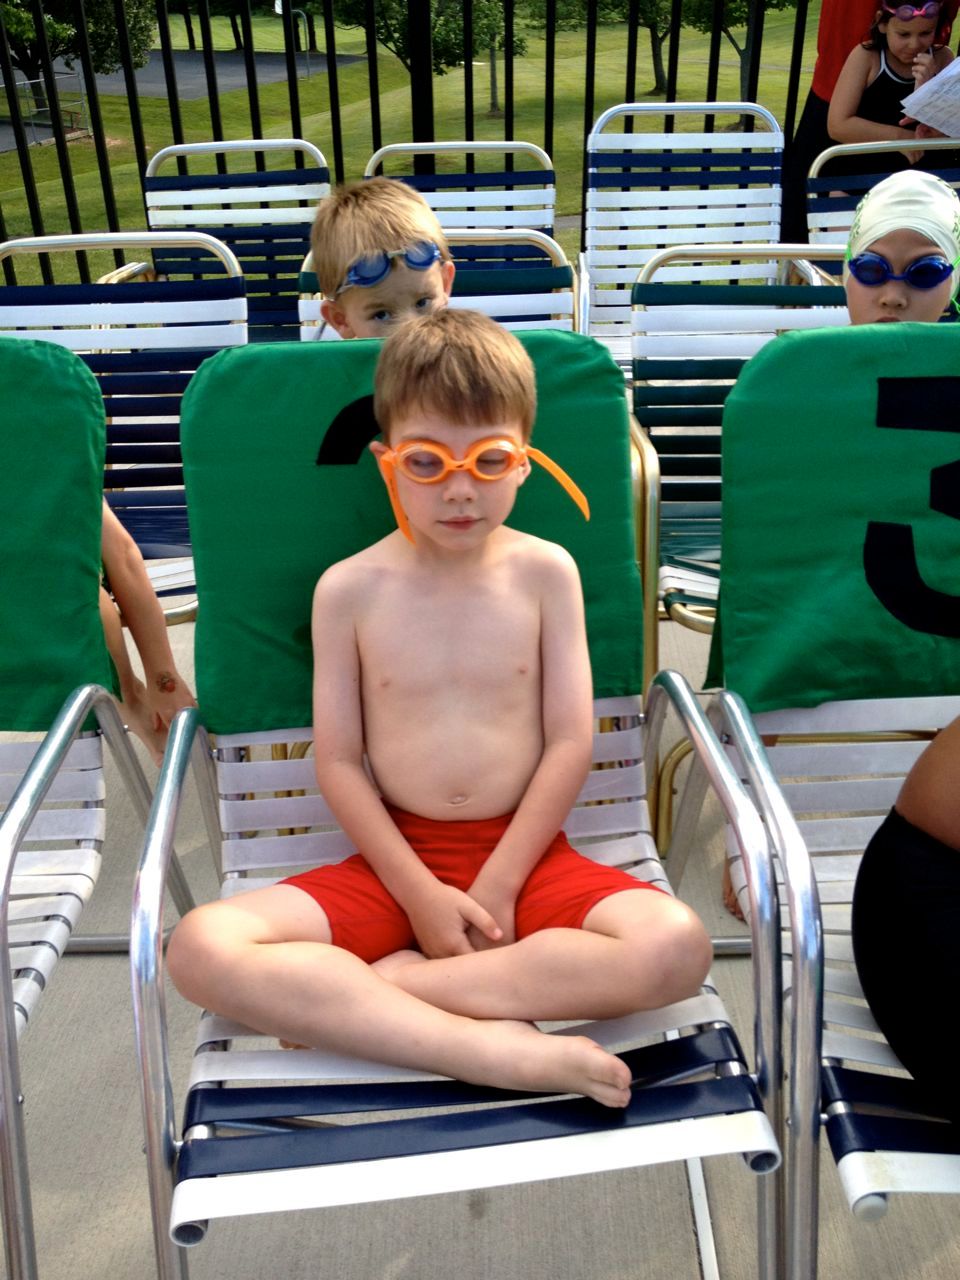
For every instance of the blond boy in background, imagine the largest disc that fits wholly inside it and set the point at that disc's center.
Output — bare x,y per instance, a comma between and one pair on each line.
380,257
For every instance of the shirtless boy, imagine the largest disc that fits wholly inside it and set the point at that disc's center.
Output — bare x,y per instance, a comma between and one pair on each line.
452,654
380,257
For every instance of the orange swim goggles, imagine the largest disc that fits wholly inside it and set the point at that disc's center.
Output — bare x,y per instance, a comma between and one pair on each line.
427,462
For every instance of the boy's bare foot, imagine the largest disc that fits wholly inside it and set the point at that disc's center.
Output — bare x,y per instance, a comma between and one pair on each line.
532,1059
515,1055
730,900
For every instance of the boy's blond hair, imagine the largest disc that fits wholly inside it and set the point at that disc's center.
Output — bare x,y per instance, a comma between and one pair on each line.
460,364
380,215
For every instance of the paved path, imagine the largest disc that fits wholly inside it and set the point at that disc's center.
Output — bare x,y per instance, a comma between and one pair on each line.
231,72
191,79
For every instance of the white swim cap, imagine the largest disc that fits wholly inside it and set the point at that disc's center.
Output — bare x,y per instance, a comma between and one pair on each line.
913,200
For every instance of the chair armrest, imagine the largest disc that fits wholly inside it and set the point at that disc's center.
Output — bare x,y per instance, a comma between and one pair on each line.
729,713
713,769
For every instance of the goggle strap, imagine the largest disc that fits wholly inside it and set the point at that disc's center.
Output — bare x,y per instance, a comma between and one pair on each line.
558,473
388,471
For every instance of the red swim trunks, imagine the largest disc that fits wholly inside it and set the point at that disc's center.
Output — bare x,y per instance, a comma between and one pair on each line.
365,919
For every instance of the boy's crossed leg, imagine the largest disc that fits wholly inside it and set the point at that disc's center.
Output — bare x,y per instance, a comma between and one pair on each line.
265,959
636,950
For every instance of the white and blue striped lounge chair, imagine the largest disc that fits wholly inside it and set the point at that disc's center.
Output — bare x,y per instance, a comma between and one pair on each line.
263,215
243,1149
832,198
661,186
519,192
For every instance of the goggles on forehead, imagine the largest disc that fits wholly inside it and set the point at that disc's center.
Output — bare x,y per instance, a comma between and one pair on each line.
925,273
428,462
907,11
374,267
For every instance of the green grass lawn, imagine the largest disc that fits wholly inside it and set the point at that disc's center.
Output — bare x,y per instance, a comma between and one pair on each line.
529,75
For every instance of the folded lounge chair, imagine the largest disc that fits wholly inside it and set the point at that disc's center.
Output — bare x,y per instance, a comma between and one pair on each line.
840,632
52,796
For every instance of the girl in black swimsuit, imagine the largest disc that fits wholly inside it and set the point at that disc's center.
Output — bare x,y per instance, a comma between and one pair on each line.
904,50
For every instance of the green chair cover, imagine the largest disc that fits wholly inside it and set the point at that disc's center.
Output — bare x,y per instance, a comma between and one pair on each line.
266,519
841,518
51,493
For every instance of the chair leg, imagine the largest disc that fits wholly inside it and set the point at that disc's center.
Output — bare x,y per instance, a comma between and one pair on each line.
18,1238
702,1222
170,1258
771,1225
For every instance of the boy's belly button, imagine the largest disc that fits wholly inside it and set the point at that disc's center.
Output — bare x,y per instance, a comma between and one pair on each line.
458,799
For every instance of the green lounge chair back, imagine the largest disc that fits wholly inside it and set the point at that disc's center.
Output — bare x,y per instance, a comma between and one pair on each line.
266,519
51,493
841,518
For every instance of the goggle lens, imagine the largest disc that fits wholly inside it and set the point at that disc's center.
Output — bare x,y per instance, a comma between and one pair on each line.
926,273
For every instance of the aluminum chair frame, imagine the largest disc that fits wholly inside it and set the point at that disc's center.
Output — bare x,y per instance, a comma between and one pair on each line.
15,822
189,746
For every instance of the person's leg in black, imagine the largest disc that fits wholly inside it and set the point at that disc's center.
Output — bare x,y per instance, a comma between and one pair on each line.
810,139
906,942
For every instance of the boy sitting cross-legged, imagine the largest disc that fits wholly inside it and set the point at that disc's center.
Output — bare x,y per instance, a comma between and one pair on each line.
451,656
380,257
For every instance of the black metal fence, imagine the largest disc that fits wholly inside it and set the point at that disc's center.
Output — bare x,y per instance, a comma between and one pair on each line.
80,185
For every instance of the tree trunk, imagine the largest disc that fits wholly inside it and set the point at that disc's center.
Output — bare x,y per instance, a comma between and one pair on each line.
237,33
39,94
657,42
312,33
188,25
494,91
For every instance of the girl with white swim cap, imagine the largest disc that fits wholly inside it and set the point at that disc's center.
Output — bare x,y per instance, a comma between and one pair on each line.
903,253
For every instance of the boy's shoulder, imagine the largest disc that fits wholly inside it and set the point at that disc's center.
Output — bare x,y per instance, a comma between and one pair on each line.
539,553
354,574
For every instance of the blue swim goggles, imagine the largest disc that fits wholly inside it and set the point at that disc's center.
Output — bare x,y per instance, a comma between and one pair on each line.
374,267
925,273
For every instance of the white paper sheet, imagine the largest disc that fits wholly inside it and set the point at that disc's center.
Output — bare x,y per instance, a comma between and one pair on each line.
937,103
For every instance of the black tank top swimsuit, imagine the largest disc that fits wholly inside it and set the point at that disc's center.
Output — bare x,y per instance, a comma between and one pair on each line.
880,101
